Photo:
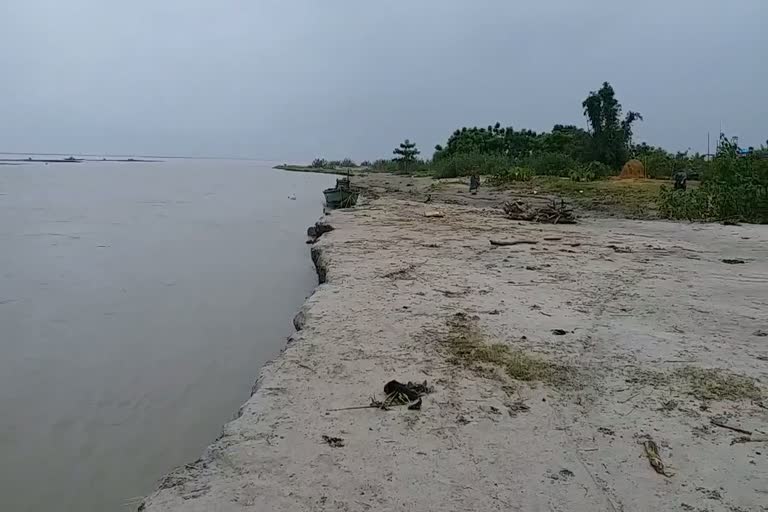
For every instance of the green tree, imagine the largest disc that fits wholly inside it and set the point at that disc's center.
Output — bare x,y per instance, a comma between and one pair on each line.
611,136
406,154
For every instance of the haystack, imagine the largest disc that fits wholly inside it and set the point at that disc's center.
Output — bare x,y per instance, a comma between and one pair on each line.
632,169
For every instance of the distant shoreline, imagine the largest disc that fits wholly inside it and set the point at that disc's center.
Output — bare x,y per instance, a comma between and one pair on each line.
308,168
71,160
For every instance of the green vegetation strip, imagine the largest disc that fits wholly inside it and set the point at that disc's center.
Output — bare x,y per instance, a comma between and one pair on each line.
467,348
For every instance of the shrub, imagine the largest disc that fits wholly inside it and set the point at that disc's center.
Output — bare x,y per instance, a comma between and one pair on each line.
582,174
732,188
384,165
589,172
319,163
467,164
348,162
550,164
511,175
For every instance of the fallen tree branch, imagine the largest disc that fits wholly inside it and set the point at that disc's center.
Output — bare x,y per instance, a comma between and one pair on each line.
512,242
739,440
729,427
553,213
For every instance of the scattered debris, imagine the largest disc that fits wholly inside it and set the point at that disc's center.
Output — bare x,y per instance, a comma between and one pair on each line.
669,405
566,473
760,332
733,261
748,439
335,442
512,242
415,406
410,390
554,213
403,273
403,394
617,248
517,406
462,420
397,394
719,423
607,431
652,452
710,494
559,332
434,214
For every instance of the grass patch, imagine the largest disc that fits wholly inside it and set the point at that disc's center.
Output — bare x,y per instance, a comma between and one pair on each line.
635,198
468,348
702,383
715,384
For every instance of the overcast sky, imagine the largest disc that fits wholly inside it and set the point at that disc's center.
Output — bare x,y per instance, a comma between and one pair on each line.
292,79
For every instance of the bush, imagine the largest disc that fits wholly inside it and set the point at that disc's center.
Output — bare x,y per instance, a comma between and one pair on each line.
550,164
658,165
732,188
511,175
467,164
582,174
590,172
684,204
319,163
348,162
382,165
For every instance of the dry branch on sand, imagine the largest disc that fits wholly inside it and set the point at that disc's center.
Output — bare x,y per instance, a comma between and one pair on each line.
553,213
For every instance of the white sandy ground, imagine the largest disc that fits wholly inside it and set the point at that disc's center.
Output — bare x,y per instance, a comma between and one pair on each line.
669,303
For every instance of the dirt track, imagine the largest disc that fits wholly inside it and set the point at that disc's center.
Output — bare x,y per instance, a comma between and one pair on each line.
645,307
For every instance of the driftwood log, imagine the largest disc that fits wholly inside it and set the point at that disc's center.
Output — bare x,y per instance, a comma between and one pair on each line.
512,242
553,213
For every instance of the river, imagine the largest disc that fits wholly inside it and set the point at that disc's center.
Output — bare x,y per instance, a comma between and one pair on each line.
137,303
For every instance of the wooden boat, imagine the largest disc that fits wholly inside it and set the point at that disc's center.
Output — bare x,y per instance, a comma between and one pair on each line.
341,196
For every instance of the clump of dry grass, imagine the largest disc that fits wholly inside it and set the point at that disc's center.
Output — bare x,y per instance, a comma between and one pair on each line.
702,383
717,384
467,348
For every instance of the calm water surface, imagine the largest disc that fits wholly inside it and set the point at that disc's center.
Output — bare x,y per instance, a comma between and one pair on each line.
137,303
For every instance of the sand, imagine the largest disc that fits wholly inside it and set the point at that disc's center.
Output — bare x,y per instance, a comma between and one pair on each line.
645,306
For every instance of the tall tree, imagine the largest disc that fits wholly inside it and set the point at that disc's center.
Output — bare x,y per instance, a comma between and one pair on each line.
406,153
611,136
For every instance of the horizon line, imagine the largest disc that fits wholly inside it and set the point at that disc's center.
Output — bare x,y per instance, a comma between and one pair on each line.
134,155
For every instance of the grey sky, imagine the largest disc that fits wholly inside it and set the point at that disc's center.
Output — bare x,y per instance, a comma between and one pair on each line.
291,79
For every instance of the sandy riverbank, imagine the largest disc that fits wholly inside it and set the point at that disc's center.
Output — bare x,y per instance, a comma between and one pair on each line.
661,337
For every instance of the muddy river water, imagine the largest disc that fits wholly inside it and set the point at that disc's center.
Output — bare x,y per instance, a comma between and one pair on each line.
137,304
